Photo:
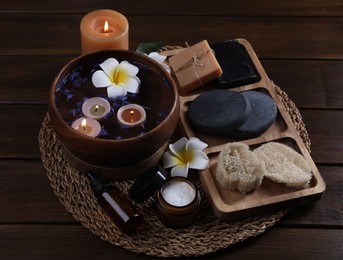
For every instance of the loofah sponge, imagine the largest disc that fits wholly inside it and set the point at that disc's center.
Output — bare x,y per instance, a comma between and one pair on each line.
284,165
238,168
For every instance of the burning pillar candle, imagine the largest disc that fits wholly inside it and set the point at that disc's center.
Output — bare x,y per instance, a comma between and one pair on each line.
104,29
87,126
131,115
96,107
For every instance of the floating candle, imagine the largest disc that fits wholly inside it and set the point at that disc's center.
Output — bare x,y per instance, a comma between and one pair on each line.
131,115
96,107
87,126
104,29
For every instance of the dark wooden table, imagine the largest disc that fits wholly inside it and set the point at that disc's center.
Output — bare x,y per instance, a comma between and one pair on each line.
300,45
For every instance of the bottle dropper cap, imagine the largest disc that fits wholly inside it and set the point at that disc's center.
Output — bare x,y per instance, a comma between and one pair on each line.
98,184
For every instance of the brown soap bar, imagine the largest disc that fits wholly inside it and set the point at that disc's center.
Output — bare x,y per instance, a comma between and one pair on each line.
195,66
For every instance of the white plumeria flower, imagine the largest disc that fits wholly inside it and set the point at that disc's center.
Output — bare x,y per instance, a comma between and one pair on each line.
159,59
117,78
185,154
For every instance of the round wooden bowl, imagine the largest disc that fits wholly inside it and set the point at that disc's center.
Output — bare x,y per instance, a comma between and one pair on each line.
110,152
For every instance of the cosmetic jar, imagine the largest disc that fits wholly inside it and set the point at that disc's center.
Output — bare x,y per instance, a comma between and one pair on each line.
178,201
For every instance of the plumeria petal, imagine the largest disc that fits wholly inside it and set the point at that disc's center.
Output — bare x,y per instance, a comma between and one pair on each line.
178,147
185,154
101,80
195,144
180,170
128,68
169,160
157,57
132,84
160,59
200,161
118,78
109,66
116,91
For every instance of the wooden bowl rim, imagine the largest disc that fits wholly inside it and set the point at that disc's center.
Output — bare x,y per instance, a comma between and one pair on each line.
53,109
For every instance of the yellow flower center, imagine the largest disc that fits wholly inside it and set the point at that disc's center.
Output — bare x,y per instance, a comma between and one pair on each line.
119,76
187,156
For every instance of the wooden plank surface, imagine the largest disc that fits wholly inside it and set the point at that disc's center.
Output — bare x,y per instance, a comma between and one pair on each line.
300,46
19,137
309,83
28,195
26,192
37,242
328,210
179,7
61,34
19,130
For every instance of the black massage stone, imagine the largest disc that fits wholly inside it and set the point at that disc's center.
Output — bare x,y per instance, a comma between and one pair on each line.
238,68
218,111
263,114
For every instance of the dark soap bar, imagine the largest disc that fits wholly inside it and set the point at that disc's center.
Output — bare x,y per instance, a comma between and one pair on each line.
263,113
238,68
218,111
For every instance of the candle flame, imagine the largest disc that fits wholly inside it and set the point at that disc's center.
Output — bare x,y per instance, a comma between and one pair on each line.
96,108
132,113
106,27
84,124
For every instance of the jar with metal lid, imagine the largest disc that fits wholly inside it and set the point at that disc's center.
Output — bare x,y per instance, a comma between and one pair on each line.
178,201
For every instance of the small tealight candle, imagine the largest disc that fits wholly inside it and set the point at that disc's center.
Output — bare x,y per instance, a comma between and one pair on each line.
131,115
178,193
87,126
104,29
96,107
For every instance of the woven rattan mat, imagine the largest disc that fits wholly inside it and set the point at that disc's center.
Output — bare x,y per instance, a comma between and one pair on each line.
206,235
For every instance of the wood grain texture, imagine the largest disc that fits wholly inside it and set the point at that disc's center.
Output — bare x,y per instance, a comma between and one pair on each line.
30,198
329,205
68,242
179,7
300,45
26,193
19,130
60,33
19,137
310,84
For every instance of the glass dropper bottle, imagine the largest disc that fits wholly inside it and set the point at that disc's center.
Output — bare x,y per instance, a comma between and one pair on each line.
115,204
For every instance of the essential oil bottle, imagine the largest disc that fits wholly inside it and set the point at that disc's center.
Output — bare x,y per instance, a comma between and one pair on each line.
115,204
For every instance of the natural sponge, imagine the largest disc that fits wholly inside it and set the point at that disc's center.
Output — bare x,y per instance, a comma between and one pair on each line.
238,168
284,164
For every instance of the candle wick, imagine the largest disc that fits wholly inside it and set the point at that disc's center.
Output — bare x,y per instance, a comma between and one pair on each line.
96,108
132,113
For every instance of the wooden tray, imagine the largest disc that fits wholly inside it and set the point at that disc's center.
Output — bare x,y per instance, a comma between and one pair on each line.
270,195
